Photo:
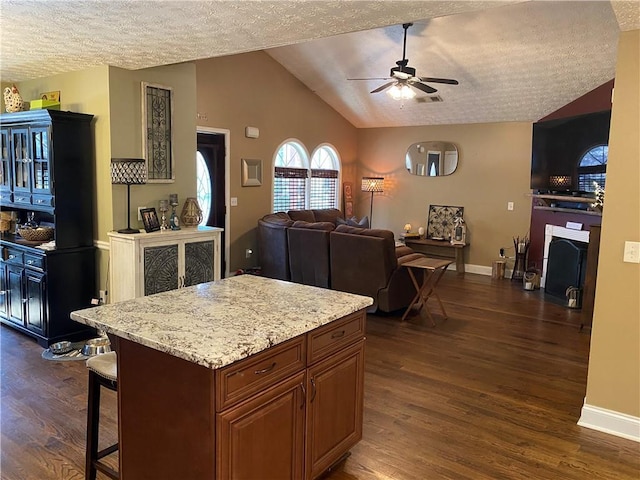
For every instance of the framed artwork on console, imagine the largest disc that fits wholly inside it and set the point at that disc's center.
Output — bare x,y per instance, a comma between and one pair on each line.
150,219
440,221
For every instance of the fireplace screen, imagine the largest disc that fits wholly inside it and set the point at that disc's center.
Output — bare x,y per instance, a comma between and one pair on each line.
566,266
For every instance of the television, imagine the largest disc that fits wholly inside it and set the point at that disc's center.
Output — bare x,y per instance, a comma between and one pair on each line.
557,147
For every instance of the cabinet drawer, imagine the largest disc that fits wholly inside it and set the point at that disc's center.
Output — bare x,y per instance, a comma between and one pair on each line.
247,377
43,200
6,197
34,261
328,339
22,198
12,256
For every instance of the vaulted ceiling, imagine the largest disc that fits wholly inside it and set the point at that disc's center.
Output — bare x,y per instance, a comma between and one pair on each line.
515,60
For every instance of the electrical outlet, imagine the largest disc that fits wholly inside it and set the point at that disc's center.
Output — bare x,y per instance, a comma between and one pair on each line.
509,205
247,253
631,252
103,297
140,214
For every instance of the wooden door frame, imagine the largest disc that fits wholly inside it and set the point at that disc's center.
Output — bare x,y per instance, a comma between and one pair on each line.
227,187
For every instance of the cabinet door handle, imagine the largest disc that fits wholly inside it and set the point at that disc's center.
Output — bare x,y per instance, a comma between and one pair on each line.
339,334
304,395
265,370
313,391
25,300
11,257
29,262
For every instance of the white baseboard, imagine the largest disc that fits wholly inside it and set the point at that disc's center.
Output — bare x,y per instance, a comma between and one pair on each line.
608,421
483,270
101,244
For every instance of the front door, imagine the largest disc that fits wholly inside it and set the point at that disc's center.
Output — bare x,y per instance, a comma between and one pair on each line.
211,149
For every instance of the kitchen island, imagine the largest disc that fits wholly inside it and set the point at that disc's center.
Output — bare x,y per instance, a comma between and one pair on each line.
246,377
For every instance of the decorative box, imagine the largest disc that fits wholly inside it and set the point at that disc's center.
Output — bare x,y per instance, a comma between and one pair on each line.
49,104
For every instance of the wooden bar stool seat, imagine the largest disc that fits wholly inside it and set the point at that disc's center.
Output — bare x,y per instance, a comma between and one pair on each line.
103,372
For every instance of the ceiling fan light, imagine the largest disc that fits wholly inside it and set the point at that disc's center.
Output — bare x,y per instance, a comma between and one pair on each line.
406,92
395,91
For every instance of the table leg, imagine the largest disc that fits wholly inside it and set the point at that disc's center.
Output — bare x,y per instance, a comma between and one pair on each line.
459,260
415,298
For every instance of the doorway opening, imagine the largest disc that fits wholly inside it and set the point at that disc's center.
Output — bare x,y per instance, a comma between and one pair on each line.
212,163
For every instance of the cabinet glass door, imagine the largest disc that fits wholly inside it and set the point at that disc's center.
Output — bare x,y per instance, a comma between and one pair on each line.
14,290
198,262
40,156
5,161
160,269
21,159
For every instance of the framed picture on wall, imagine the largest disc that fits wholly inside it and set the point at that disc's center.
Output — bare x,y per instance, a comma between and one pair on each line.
157,132
347,194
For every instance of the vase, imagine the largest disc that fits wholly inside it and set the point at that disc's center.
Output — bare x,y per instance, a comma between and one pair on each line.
191,213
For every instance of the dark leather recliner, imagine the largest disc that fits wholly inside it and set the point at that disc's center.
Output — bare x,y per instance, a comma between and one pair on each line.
309,253
273,245
367,262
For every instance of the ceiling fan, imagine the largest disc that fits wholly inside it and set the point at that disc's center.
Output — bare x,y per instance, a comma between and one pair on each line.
403,77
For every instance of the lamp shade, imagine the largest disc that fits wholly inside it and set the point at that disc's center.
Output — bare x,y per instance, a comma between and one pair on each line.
372,184
128,171
560,181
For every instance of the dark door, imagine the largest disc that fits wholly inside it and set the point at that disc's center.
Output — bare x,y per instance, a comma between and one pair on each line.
211,147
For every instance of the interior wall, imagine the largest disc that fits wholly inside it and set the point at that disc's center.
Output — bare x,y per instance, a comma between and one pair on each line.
254,90
125,88
87,91
613,381
493,169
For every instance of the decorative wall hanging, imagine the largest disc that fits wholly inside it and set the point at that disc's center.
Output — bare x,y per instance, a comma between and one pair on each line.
251,172
348,199
157,132
441,221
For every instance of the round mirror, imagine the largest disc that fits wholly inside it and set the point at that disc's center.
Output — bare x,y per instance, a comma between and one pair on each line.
432,159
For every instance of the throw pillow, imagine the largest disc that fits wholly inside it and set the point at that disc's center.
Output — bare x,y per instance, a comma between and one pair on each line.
362,223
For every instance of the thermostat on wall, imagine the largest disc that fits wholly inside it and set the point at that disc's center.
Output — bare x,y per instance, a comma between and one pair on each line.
251,132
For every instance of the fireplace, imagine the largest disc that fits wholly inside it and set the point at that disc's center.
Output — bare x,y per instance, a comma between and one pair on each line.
565,257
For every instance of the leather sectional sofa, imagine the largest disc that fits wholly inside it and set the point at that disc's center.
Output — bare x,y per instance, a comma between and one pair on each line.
311,247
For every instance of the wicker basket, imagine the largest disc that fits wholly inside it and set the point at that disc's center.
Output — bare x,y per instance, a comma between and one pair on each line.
5,225
40,234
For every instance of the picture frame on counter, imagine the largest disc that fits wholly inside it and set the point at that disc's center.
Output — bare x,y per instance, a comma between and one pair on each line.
150,219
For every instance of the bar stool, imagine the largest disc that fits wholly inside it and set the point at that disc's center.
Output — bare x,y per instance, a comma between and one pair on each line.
103,372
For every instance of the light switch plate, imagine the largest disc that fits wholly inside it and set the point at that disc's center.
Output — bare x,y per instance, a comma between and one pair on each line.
139,214
234,201
631,252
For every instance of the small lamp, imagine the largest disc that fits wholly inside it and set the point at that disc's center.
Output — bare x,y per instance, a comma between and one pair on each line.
128,171
372,184
560,181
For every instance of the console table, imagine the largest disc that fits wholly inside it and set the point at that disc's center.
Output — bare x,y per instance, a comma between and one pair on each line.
439,248
246,377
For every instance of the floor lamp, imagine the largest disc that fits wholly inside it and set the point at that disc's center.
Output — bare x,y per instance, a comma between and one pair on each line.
372,184
128,171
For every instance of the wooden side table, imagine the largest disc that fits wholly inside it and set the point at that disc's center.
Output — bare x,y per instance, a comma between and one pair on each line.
432,270
439,248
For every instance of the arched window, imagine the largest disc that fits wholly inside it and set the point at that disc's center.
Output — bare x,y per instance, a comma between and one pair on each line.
592,168
291,171
203,187
325,178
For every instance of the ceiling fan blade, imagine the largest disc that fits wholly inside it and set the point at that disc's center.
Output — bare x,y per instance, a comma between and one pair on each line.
423,87
382,87
448,81
371,78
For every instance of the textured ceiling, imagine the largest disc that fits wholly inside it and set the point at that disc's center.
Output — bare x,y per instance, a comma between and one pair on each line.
514,60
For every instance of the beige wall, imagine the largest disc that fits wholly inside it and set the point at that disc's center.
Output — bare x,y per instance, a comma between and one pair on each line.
493,169
614,365
254,90
87,92
126,135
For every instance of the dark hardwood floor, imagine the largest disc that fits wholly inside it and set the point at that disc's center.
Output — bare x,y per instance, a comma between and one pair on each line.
494,392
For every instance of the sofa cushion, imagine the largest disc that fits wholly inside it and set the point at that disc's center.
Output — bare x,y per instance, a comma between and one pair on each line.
280,219
327,215
326,226
304,215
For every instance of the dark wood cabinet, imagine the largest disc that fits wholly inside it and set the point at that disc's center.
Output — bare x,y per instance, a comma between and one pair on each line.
264,437
334,412
589,292
46,167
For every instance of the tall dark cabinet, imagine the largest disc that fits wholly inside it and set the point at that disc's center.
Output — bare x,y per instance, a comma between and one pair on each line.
46,167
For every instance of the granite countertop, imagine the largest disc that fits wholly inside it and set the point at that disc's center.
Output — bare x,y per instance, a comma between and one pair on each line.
215,324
